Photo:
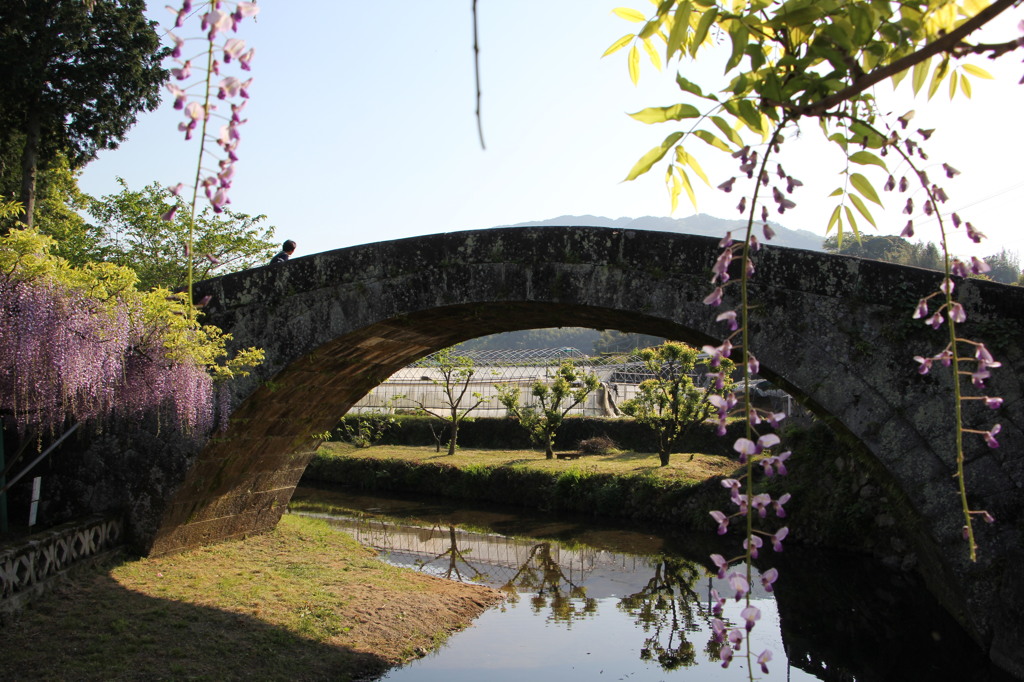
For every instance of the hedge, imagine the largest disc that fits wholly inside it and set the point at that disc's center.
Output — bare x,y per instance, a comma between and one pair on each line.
506,434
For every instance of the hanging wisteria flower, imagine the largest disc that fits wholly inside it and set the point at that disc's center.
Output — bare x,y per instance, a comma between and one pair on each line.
715,297
768,579
738,582
778,537
990,436
750,615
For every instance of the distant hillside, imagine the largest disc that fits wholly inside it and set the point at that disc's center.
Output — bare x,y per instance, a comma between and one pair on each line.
701,224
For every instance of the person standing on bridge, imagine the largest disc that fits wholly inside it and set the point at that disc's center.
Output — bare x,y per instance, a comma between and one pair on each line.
287,249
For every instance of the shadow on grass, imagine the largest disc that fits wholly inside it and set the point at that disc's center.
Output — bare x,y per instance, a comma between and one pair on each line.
518,462
95,629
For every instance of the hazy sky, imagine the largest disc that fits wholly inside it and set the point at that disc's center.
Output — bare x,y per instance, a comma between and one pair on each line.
361,127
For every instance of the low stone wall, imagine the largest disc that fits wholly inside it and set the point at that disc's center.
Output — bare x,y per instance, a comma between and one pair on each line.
34,565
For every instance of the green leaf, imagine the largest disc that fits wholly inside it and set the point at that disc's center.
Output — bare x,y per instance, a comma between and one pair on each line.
674,189
749,114
862,209
653,156
703,26
650,28
940,72
867,135
898,77
629,14
687,159
652,53
757,56
863,185
712,140
680,27
965,85
852,221
921,74
688,187
740,36
976,71
618,44
839,139
836,219
863,23
674,112
866,158
691,87
727,130
634,64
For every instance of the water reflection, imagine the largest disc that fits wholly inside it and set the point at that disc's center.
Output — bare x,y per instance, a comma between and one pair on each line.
542,576
667,609
616,603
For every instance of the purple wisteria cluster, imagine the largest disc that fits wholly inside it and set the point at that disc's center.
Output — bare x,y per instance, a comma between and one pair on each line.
967,358
756,448
64,356
219,53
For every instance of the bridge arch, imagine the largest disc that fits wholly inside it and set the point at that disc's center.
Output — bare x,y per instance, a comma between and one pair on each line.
834,331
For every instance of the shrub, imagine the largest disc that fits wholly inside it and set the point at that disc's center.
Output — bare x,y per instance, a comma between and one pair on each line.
598,445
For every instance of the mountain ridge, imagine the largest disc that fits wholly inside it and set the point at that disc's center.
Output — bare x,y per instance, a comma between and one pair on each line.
699,224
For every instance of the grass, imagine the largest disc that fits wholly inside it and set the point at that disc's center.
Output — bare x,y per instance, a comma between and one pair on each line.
682,468
301,602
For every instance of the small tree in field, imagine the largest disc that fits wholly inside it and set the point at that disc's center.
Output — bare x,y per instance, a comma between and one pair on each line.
456,373
671,404
570,387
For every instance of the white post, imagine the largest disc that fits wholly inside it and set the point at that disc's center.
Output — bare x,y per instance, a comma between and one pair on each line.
36,484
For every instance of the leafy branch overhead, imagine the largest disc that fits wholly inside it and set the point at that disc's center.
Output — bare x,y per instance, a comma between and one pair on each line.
805,59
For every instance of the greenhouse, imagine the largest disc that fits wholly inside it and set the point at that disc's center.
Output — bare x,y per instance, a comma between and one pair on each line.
422,383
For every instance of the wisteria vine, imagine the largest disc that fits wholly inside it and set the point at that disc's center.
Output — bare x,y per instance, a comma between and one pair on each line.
760,437
197,100
87,352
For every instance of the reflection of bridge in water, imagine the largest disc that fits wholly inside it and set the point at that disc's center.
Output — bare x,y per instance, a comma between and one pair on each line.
502,561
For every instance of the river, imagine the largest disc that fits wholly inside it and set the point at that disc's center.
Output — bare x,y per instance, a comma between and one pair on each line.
588,600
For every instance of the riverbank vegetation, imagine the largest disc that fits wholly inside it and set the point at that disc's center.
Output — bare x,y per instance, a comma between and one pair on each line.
836,500
300,602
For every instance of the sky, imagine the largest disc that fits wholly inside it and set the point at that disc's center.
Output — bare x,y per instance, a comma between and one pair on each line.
361,128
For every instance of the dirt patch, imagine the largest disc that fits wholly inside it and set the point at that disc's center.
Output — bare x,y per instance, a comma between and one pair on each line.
302,602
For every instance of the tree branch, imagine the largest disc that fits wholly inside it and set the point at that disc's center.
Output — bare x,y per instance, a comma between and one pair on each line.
947,43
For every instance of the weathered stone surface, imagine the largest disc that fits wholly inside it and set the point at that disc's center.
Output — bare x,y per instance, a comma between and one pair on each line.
834,331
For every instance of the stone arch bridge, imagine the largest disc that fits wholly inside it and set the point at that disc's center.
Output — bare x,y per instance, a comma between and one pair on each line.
834,331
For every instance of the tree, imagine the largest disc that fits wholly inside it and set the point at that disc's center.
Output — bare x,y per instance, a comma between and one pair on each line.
666,607
542,419
671,404
83,343
135,236
614,341
889,248
366,428
60,205
806,61
1004,267
456,372
73,78
882,247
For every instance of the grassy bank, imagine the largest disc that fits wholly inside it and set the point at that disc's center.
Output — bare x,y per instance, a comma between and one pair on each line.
620,485
835,501
299,603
